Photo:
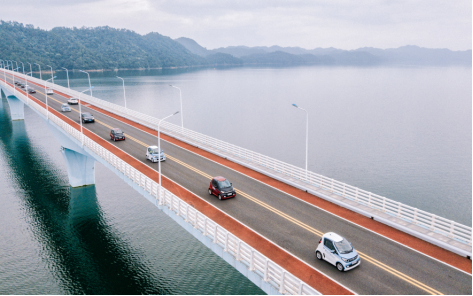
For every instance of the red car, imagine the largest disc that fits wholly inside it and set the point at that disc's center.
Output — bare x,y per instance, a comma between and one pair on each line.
221,187
116,134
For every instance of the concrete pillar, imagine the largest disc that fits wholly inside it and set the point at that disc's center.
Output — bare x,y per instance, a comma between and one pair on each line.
17,108
80,168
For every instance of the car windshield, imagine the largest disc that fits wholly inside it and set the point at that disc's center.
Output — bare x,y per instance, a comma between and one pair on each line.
118,131
155,151
66,105
224,184
343,246
86,114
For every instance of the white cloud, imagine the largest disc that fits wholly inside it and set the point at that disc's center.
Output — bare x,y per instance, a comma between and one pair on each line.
332,23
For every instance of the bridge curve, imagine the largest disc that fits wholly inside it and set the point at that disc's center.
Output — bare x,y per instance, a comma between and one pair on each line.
282,217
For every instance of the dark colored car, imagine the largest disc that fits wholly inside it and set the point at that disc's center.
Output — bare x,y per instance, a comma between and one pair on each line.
87,117
31,90
221,187
116,134
22,85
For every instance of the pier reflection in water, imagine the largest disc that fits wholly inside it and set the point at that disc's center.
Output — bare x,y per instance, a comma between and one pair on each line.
102,239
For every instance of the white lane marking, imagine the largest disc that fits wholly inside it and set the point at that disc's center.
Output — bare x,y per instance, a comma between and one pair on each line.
372,231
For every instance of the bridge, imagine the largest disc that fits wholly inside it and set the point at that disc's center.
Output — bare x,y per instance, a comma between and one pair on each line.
269,232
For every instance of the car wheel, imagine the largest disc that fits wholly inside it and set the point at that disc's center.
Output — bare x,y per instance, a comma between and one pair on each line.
318,255
220,196
210,192
339,266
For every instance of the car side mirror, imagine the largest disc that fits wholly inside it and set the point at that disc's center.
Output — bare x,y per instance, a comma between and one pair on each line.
332,251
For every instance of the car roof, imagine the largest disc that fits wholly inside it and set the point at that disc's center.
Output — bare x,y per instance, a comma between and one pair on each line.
117,129
219,178
333,236
153,146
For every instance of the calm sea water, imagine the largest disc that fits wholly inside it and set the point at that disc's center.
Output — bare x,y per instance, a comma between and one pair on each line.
401,132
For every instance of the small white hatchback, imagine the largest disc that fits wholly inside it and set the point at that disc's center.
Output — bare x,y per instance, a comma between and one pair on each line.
155,154
337,251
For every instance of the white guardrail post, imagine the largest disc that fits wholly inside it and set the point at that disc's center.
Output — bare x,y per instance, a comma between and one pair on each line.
459,232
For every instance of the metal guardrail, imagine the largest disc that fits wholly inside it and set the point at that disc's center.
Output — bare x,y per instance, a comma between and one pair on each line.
449,228
285,282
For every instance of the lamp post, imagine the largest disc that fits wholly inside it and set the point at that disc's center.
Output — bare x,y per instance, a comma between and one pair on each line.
306,137
124,96
180,99
46,95
80,115
14,88
67,73
16,66
4,73
52,73
26,87
31,70
23,65
39,71
90,86
159,147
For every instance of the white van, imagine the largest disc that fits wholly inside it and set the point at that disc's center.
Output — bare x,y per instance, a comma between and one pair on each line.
49,91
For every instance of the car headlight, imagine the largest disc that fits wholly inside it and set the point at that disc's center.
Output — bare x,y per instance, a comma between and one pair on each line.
346,260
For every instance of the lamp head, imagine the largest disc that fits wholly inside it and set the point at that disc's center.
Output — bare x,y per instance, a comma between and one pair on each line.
176,113
295,105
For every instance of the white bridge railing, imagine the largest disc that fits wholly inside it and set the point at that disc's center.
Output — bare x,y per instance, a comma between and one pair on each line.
449,228
283,281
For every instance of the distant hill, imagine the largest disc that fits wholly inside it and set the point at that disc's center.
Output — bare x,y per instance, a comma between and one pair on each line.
110,48
193,46
406,55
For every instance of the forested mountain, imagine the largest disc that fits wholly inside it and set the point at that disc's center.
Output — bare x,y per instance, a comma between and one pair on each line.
96,48
109,48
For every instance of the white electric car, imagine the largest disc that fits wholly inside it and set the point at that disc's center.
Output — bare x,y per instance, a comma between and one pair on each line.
337,251
155,154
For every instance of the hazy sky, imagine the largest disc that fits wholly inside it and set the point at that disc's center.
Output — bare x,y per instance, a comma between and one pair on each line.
345,24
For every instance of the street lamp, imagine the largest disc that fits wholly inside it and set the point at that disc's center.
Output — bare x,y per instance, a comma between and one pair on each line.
52,73
39,71
67,73
46,94
31,70
123,89
16,66
90,86
14,88
182,114
26,87
80,115
23,65
159,147
306,136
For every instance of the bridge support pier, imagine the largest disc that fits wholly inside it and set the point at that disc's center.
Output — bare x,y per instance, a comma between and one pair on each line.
80,168
80,164
17,107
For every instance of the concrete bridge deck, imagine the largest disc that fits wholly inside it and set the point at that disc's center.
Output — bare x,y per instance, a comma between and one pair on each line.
393,262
